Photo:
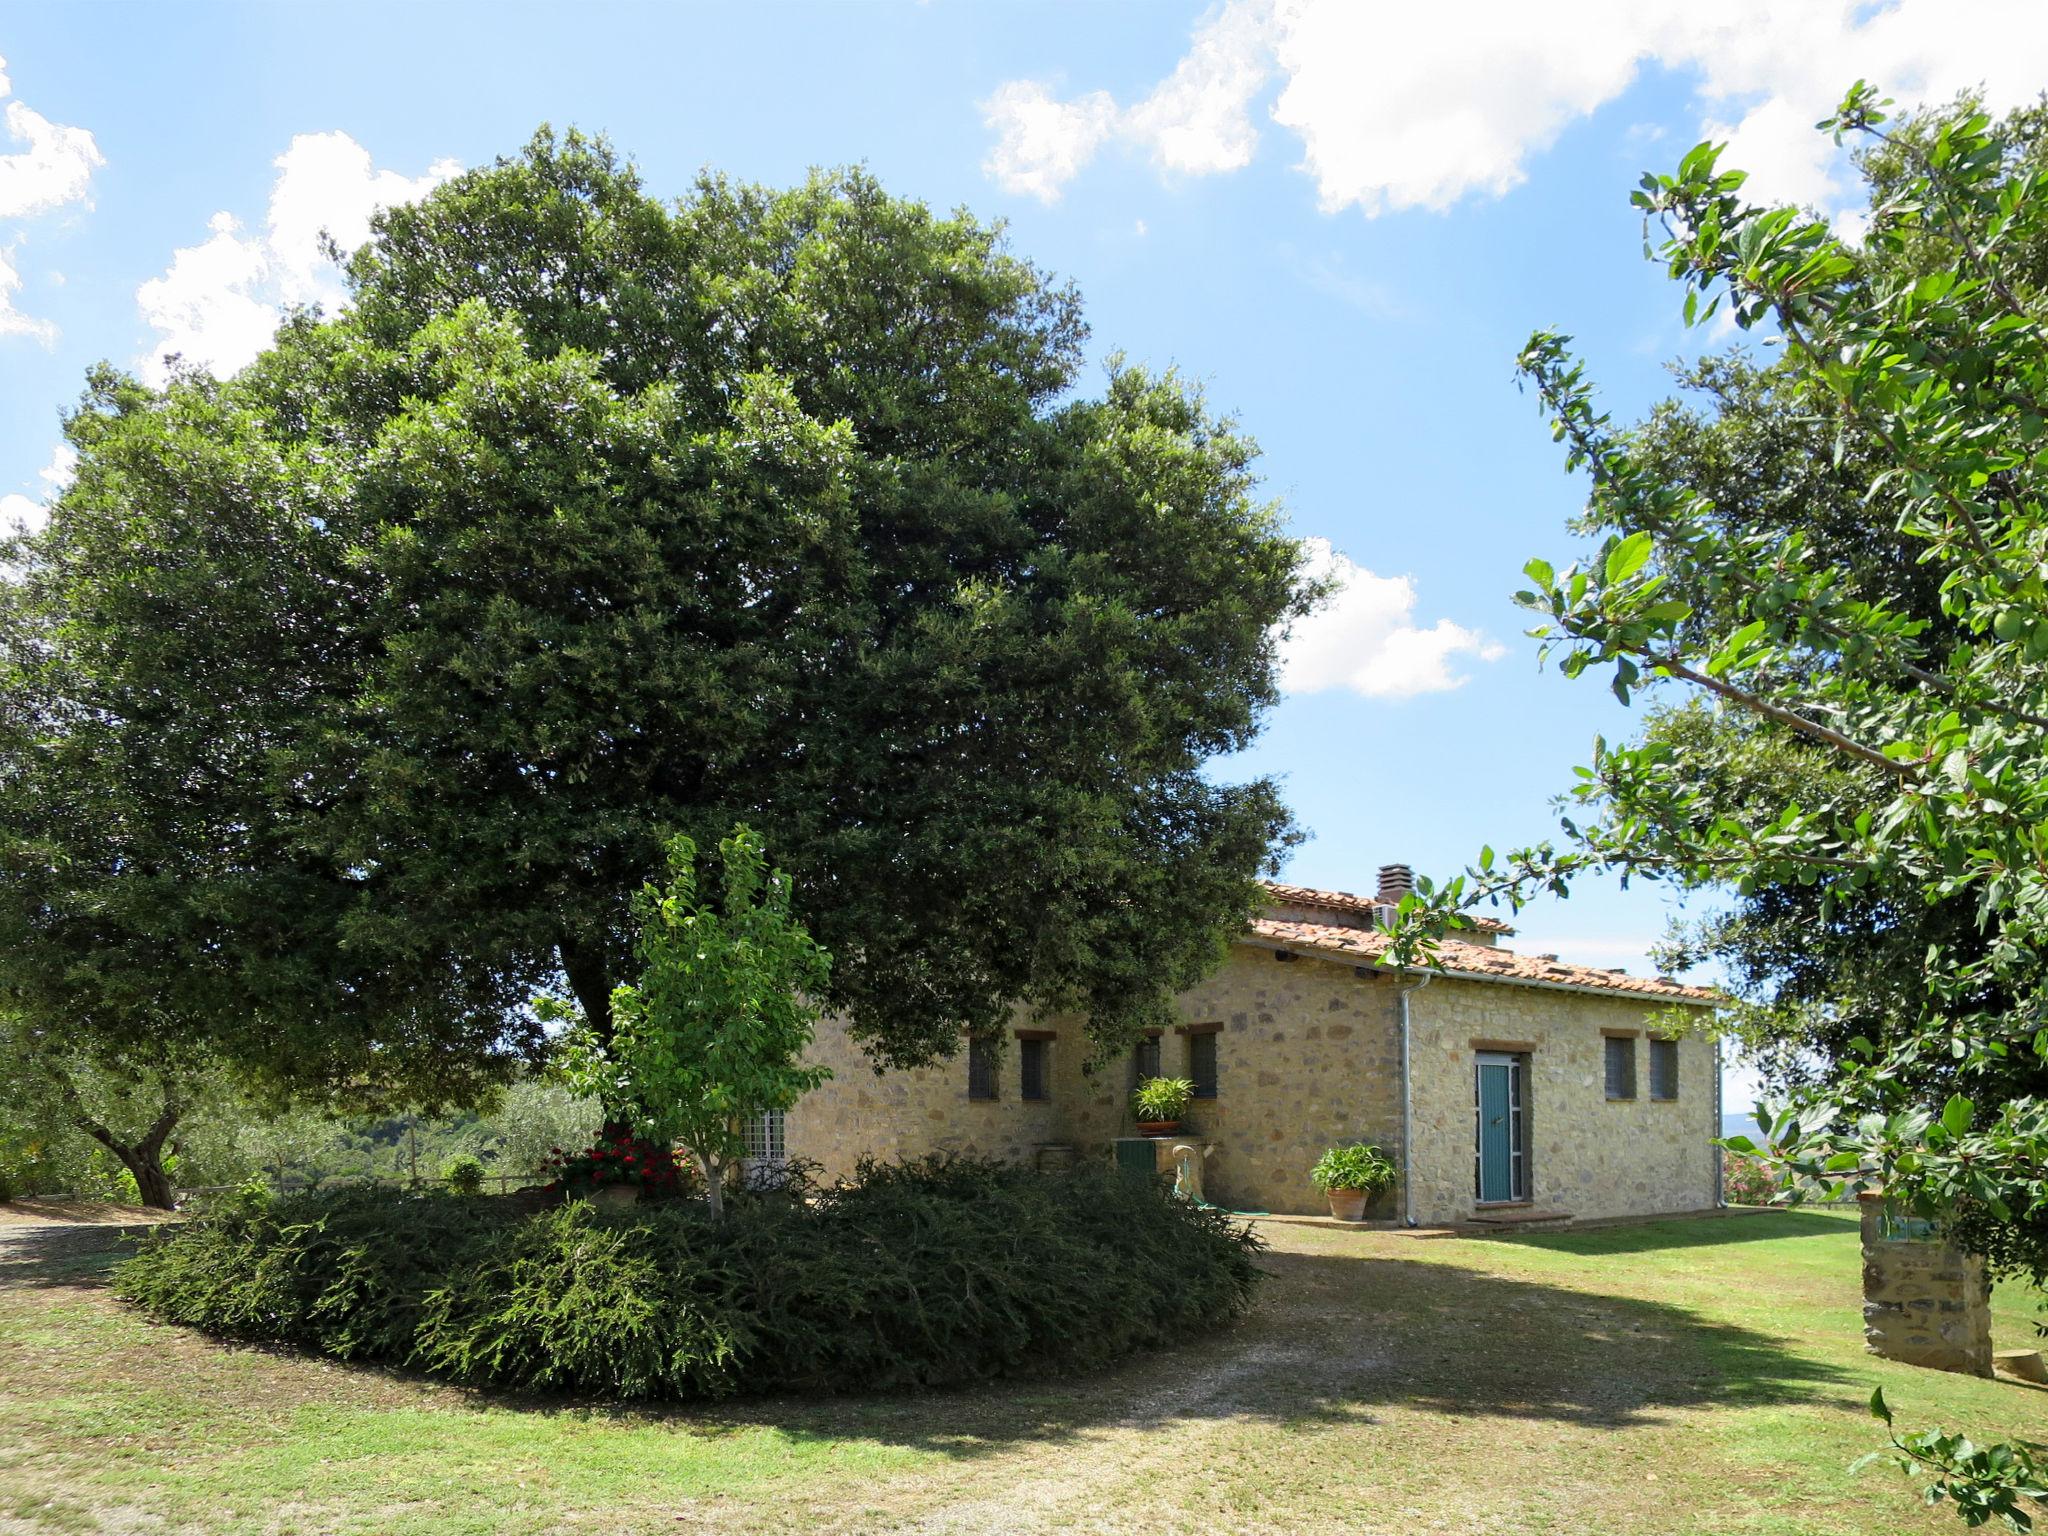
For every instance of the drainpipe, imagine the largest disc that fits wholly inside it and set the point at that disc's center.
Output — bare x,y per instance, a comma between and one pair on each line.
1720,1121
1408,1105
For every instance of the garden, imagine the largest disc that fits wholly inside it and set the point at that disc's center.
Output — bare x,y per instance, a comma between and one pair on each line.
1703,1377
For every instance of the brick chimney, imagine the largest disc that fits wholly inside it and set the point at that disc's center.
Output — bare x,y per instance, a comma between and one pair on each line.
1396,881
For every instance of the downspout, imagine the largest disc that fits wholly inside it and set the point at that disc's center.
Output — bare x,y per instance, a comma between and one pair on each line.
1720,1124
1408,1104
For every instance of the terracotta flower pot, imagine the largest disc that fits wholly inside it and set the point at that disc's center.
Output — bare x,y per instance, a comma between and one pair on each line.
1348,1204
1158,1127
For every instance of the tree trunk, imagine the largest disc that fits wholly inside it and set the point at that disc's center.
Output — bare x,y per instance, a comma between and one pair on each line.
145,1158
592,988
590,984
714,1185
152,1182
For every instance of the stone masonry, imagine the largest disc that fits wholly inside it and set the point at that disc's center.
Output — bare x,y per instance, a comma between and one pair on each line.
1589,1155
1924,1302
1308,1055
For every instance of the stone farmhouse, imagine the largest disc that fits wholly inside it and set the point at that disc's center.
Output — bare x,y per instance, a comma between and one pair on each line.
1507,1087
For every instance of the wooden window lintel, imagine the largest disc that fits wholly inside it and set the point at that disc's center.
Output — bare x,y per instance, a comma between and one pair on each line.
1519,1047
1621,1034
1036,1034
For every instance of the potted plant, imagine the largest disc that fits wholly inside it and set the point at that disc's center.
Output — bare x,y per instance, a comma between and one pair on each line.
1351,1176
1159,1102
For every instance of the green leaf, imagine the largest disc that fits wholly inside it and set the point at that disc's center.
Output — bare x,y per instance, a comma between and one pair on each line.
1955,1114
1628,556
1877,1405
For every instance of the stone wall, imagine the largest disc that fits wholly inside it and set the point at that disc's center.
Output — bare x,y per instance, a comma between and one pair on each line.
1308,1055
1588,1155
892,1115
1924,1303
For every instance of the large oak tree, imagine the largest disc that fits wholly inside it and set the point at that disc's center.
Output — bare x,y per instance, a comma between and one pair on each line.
352,698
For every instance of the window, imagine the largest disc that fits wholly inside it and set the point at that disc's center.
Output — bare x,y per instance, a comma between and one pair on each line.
766,1135
1202,1064
1621,1067
1145,1060
1663,1069
767,1149
1035,1057
983,1060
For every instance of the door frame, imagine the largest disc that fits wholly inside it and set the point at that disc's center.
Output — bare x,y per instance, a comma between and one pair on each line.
1519,1173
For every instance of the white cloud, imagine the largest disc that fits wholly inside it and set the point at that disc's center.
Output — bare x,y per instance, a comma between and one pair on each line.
12,321
1195,122
1198,120
25,514
61,470
1423,106
52,169
1041,143
1364,638
219,302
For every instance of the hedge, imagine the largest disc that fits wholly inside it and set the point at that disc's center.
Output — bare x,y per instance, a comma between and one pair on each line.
932,1273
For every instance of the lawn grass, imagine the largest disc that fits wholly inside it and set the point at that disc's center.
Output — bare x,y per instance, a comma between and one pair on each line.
1678,1377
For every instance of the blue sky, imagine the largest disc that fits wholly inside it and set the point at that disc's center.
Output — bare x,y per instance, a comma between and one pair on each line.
1343,217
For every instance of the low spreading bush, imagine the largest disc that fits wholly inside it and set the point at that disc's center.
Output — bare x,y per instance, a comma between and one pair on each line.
931,1273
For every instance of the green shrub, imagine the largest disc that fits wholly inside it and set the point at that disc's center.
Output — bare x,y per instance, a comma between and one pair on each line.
926,1274
1162,1098
1361,1165
464,1175
1747,1180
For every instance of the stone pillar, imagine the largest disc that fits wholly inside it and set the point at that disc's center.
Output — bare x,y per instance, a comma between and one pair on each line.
1924,1302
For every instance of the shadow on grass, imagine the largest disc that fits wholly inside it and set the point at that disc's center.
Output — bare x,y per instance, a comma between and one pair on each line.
1333,1341
1690,1232
41,1256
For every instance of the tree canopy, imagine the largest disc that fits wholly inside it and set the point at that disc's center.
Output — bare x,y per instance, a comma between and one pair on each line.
1917,688
352,698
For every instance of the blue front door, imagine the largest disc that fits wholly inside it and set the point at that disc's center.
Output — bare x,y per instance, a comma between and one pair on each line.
1496,1131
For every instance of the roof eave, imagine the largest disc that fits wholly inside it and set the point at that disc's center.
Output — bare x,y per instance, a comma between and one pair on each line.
1682,999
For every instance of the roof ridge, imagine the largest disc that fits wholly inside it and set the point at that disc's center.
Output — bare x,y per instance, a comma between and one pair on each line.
1348,901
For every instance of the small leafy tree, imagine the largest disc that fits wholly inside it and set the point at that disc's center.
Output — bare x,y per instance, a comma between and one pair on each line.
726,1002
1926,348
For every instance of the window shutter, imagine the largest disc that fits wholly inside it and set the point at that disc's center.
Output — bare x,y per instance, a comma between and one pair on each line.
981,1069
1202,1064
1621,1068
1032,1056
1663,1069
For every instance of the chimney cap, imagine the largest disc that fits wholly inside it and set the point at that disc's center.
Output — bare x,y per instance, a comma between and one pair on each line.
1396,881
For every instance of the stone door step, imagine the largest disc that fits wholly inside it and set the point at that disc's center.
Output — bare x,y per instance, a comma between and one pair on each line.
1521,1218
2026,1364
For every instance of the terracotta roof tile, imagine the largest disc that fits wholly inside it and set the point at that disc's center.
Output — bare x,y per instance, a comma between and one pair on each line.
1357,906
1479,961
